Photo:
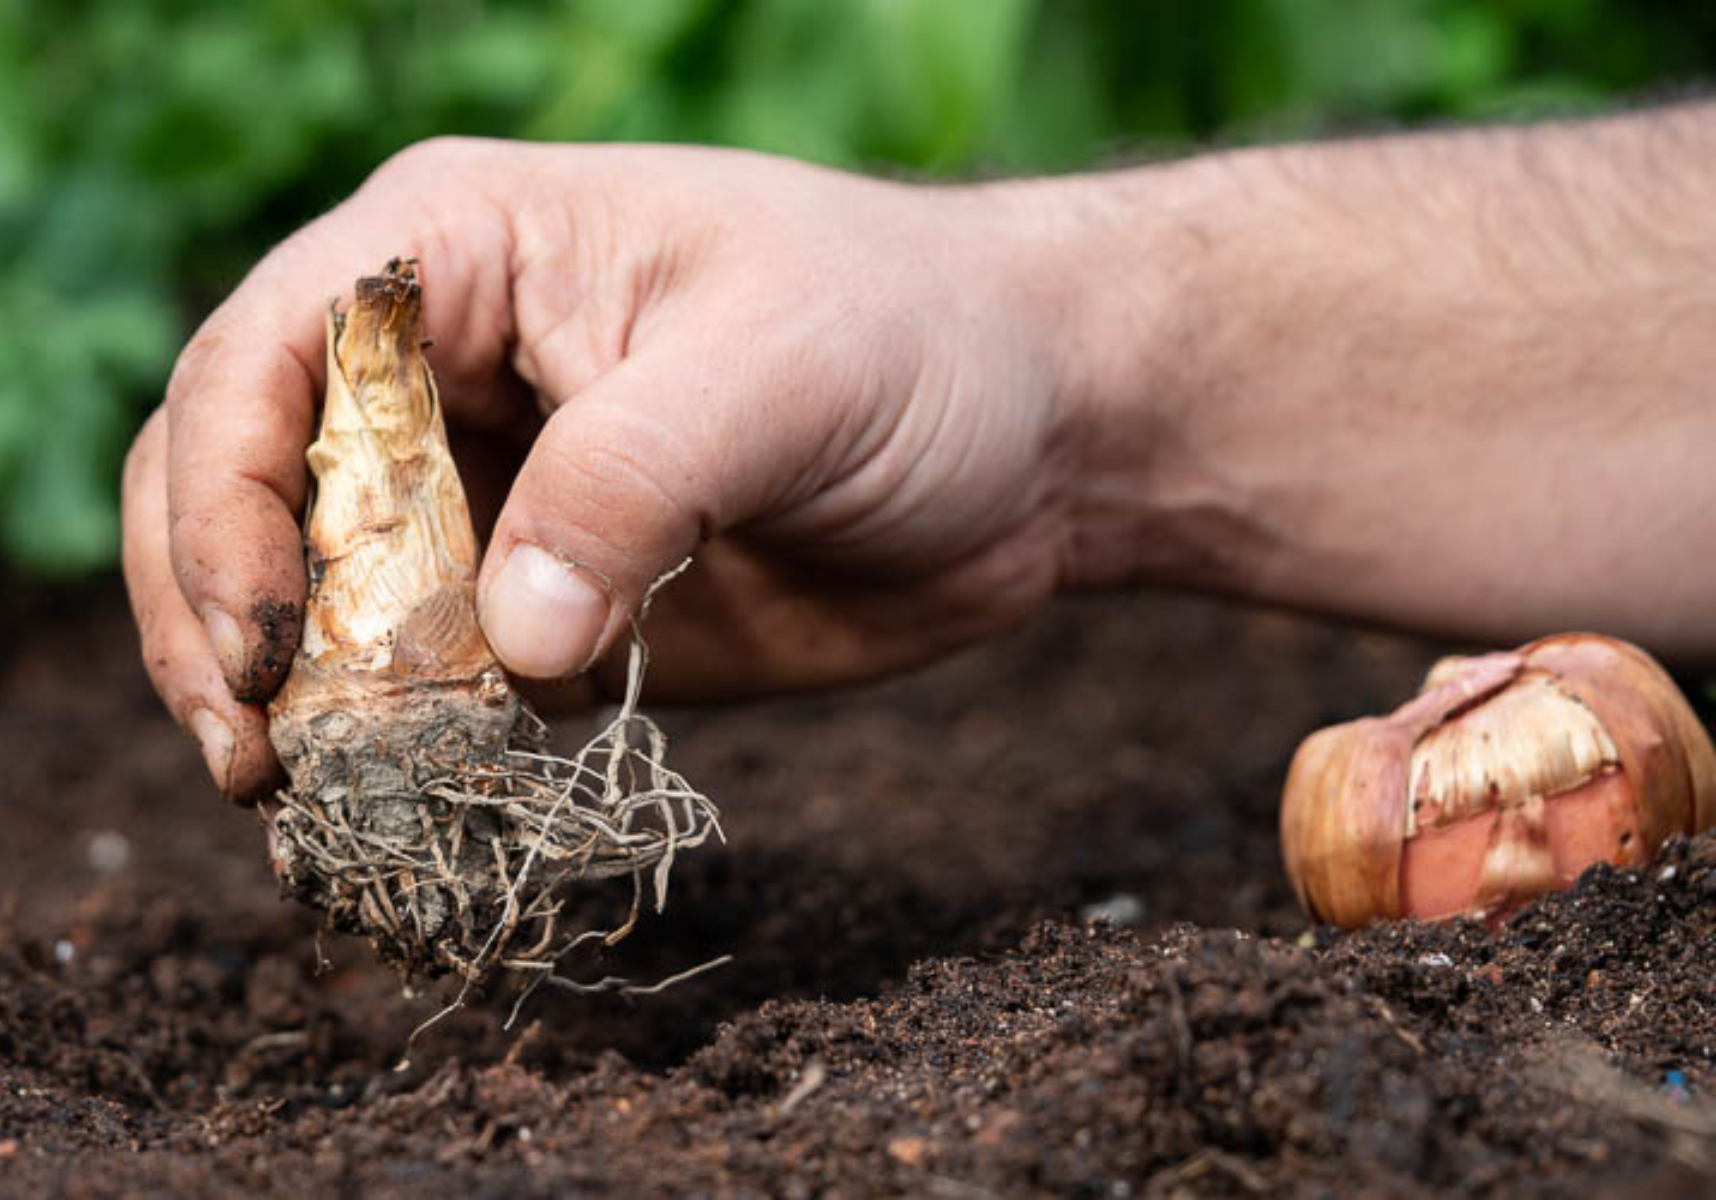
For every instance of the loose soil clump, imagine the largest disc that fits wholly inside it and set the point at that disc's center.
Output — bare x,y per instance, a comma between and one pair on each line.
1014,927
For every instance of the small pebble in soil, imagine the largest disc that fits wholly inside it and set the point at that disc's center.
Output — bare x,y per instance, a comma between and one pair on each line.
64,952
1122,908
108,851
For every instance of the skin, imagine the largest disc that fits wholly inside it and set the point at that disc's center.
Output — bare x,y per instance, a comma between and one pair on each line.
1453,382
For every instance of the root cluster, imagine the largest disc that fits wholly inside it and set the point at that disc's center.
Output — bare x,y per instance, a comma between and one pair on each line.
469,867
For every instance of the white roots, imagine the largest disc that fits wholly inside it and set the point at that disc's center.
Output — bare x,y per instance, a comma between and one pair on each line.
474,871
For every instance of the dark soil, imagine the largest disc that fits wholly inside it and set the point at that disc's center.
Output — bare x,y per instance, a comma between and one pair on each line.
920,1003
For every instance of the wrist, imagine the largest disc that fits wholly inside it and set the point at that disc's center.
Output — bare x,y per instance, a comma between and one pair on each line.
1123,271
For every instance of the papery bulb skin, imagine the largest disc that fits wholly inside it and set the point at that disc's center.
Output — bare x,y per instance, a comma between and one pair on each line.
1505,777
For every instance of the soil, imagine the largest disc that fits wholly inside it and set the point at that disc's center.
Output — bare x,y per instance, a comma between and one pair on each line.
1014,926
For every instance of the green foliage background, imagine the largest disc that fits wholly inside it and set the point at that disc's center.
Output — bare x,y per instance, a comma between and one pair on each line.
151,150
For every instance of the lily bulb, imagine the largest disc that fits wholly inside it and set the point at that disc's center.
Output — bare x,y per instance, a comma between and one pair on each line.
1505,777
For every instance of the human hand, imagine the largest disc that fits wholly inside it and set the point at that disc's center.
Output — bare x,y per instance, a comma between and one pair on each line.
846,396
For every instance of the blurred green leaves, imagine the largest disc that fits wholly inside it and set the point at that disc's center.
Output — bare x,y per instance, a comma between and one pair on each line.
151,150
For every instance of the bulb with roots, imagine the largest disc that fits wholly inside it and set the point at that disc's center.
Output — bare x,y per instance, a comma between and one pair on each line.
1505,777
423,811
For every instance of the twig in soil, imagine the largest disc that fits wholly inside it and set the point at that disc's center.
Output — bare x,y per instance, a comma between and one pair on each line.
1412,1040
813,1077
274,1041
140,1077
1203,1163
521,1043
1179,1023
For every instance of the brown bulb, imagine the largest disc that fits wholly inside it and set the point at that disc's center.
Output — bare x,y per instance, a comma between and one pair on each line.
1505,777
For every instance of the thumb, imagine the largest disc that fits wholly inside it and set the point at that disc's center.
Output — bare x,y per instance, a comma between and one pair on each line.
621,485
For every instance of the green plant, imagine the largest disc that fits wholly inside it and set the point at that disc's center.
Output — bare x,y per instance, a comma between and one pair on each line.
151,150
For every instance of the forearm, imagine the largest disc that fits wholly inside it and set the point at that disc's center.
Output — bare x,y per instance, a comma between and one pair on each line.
1462,382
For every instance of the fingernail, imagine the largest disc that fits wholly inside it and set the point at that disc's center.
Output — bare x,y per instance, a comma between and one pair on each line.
227,639
541,616
216,738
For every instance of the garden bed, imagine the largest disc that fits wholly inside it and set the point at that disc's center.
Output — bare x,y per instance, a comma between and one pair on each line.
1014,926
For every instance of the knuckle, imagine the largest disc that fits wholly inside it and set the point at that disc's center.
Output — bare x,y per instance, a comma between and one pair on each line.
432,156
193,361
190,549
